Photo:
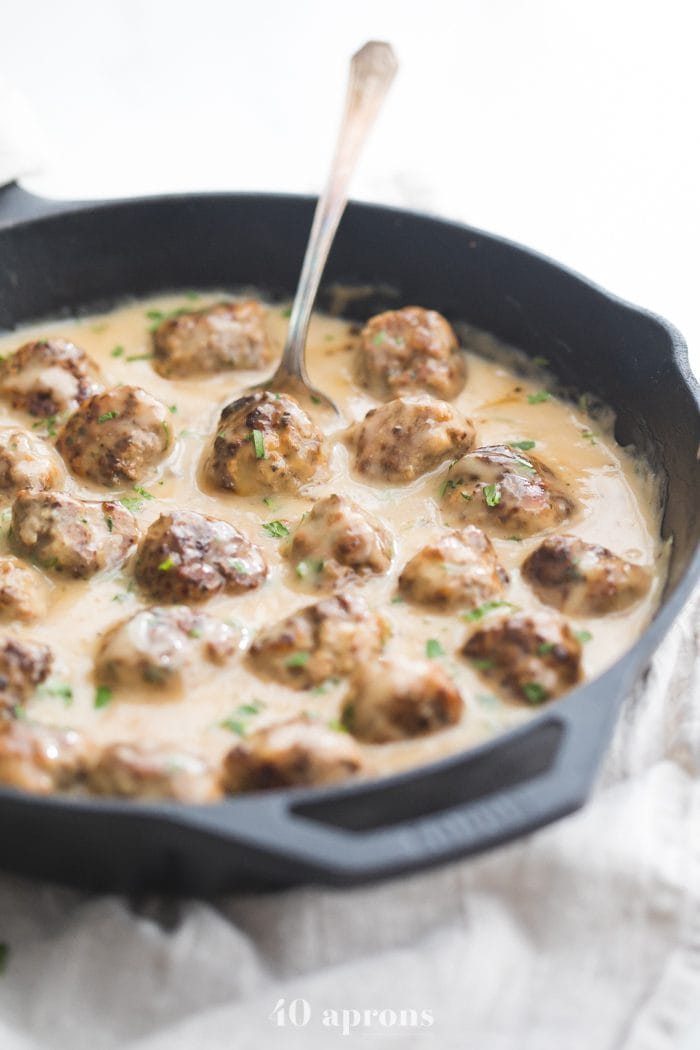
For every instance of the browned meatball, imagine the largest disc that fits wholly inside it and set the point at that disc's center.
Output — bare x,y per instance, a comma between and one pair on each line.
408,351
187,557
38,759
533,657
117,437
23,666
265,442
319,642
393,699
162,647
139,771
338,541
80,537
27,462
296,753
505,491
583,579
218,338
460,568
47,377
403,439
22,594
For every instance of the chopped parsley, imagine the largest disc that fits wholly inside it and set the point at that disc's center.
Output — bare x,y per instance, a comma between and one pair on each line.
103,696
337,726
239,566
524,446
474,615
544,648
50,424
534,693
106,416
277,529
448,485
287,312
588,435
172,408
237,722
143,493
484,665
109,522
117,352
304,568
492,495
166,565
59,689
258,439
131,502
433,649
379,338
397,600
158,316
541,362
300,659
139,357
583,636
538,397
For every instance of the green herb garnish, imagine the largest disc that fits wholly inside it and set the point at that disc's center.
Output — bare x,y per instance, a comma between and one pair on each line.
524,446
258,439
166,565
484,665
534,693
277,529
300,659
106,416
538,397
103,696
492,495
474,615
433,649
583,636
117,352
59,689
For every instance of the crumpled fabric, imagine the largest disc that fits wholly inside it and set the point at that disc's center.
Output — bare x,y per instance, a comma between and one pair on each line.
582,936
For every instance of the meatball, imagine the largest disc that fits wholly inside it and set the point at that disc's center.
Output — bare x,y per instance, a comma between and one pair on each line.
24,665
80,537
218,338
408,351
22,595
135,771
583,579
403,439
187,557
265,443
27,462
321,641
116,437
392,699
461,568
47,377
533,657
505,491
38,759
160,647
338,541
297,753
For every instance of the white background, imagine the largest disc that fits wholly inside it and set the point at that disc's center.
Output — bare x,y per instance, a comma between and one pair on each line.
570,127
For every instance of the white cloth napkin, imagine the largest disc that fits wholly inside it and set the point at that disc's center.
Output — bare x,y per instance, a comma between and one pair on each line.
583,936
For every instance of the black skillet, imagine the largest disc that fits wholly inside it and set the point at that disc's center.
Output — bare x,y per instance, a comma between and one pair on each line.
61,259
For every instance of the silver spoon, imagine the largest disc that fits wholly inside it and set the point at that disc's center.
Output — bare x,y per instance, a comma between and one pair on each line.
372,70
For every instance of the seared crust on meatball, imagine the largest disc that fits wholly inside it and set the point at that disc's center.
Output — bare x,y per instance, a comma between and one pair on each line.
532,656
136,771
321,641
27,462
338,541
22,594
409,351
296,753
187,557
393,699
117,437
48,376
583,579
80,537
403,439
161,646
265,442
38,759
460,568
23,666
216,339
505,491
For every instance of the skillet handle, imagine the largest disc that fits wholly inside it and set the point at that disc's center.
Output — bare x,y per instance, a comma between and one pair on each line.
17,205
466,804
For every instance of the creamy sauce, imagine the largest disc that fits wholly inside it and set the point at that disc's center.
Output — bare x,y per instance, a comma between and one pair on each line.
618,507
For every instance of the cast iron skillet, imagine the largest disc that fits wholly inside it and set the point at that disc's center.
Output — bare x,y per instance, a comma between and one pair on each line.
69,258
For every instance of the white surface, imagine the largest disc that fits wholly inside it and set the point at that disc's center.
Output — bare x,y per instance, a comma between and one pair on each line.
572,128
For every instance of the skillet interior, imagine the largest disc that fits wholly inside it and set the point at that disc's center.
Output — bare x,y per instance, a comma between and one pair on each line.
60,259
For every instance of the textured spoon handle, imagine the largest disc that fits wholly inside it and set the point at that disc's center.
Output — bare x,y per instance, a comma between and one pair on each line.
372,70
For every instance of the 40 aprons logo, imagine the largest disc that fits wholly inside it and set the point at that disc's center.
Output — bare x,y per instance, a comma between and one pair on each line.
298,1013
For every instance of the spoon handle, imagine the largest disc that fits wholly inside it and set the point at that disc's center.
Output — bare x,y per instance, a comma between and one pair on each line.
372,70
